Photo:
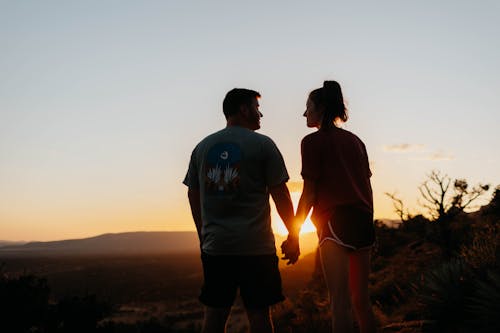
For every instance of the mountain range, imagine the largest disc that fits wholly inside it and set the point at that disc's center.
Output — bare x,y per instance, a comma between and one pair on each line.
128,243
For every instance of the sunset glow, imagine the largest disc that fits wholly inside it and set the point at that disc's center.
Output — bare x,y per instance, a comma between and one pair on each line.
102,103
279,226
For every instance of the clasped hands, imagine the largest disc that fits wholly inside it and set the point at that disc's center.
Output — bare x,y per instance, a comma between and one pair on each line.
290,247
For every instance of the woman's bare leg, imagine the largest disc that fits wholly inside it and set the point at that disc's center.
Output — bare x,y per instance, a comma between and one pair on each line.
335,262
358,282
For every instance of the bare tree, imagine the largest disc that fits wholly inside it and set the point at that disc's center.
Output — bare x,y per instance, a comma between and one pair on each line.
464,197
434,193
443,198
441,202
399,207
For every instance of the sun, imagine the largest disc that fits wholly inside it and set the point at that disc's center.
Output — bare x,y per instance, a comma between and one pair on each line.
279,226
308,226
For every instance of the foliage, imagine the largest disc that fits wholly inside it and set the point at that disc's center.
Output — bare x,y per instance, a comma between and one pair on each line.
418,225
153,325
389,239
483,250
484,305
458,298
81,314
463,295
26,307
464,196
23,302
443,292
492,211
310,312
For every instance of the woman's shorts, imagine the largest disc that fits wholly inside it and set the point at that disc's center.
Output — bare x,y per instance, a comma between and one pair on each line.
350,227
257,277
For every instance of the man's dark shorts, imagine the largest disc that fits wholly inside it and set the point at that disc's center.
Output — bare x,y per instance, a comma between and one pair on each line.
257,277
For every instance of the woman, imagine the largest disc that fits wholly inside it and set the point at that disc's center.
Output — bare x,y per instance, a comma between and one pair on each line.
337,186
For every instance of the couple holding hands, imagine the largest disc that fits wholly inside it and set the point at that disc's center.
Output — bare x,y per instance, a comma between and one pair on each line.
232,173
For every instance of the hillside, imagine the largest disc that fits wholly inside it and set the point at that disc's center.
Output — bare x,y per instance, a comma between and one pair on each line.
127,244
10,243
115,244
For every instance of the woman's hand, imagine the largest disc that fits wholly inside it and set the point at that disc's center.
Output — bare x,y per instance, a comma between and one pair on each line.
291,249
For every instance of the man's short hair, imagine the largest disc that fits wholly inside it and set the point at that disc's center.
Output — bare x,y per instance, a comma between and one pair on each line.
237,97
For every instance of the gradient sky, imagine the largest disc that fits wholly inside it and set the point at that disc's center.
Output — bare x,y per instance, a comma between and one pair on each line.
101,102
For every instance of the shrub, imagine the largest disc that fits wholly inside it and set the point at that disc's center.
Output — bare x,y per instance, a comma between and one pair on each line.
23,302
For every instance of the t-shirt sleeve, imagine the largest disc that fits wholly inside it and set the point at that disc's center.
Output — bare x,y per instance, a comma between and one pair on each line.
275,169
311,159
192,180
365,160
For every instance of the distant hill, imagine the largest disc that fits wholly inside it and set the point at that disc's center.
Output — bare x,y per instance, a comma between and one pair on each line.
128,243
120,243
10,243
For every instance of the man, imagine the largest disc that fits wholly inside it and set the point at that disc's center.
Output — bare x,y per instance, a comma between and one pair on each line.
230,176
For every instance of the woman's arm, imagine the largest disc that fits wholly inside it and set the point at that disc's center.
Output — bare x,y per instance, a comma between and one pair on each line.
290,247
307,199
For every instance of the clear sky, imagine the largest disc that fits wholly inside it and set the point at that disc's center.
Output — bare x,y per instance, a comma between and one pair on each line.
101,102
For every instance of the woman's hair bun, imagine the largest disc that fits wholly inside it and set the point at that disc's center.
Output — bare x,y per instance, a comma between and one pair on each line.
331,85
333,101
332,93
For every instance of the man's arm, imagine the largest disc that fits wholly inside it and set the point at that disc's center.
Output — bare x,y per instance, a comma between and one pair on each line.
195,203
284,206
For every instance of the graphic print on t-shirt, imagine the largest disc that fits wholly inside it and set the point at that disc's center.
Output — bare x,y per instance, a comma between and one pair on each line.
222,170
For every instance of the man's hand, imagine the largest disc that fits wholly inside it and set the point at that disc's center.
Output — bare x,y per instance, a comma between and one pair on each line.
291,250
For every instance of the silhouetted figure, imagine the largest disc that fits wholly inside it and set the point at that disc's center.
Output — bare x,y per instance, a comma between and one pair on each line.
337,186
230,176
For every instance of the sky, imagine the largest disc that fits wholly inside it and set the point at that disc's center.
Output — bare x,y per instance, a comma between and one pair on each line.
102,102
